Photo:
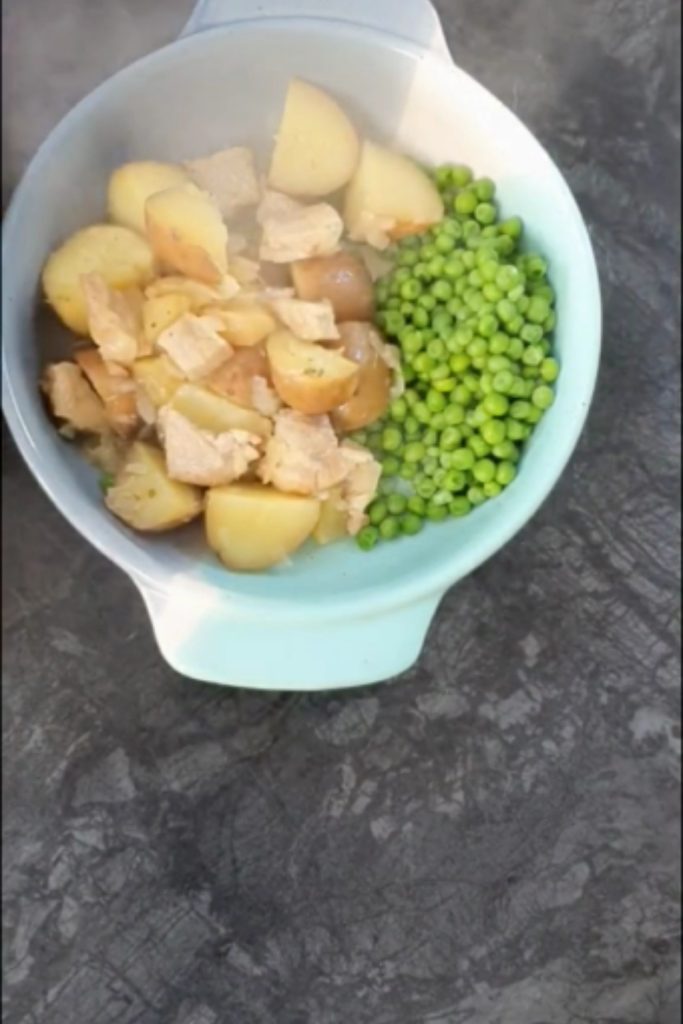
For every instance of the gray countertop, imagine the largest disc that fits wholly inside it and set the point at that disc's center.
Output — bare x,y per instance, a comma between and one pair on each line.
494,837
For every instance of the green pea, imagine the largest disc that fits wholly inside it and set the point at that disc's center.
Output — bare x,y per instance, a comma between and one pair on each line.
549,370
425,489
543,397
459,506
484,189
411,426
377,511
420,316
492,489
477,444
411,524
389,528
367,538
496,404
390,465
454,414
462,459
453,268
484,470
476,496
507,451
391,439
421,271
427,302
531,333
515,348
539,310
533,355
396,503
461,175
493,432
503,381
485,213
492,293
414,452
417,505
515,430
465,202
512,227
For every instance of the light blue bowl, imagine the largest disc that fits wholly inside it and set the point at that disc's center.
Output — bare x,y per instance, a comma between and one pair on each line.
333,616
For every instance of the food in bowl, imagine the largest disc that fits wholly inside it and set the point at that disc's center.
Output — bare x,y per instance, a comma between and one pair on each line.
290,364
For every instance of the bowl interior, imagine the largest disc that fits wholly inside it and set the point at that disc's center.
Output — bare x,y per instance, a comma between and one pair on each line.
225,87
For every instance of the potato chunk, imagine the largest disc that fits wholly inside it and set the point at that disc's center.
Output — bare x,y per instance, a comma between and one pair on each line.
186,231
310,321
160,312
144,496
216,413
244,322
158,379
342,279
363,344
317,147
389,193
118,255
310,378
251,527
331,525
131,185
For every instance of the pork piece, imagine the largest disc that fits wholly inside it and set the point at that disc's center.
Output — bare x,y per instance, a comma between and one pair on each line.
292,231
114,321
195,456
72,399
229,176
303,455
195,345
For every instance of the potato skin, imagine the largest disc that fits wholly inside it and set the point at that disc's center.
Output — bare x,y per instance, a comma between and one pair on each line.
252,527
342,278
310,378
119,255
131,185
362,342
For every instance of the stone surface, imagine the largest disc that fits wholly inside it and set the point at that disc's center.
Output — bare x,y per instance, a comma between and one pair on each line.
491,839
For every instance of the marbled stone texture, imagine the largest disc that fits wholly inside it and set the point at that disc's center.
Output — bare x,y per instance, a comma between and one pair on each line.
491,839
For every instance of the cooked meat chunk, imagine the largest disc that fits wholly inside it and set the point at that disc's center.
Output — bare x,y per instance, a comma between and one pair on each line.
72,399
195,345
195,456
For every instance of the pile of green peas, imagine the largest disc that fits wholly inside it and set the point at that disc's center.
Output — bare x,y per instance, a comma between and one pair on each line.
473,315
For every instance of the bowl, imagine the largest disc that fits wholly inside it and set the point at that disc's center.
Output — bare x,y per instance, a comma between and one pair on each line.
333,616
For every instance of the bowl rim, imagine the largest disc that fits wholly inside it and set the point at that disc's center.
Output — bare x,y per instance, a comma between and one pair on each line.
433,578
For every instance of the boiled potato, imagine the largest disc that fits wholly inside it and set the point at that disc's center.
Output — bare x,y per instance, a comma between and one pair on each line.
160,312
117,254
317,147
145,498
362,343
308,377
389,185
252,527
116,391
216,413
331,525
341,278
158,378
131,185
199,295
234,379
245,322
186,231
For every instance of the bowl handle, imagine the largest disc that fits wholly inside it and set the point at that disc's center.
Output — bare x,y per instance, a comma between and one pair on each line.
206,636
416,21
